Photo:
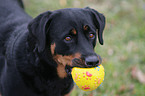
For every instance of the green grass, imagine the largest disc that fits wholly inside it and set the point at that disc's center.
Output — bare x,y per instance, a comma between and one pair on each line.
124,38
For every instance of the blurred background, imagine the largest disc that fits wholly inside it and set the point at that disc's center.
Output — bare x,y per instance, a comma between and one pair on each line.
123,53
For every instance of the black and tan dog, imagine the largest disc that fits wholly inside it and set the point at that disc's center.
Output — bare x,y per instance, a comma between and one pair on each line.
36,55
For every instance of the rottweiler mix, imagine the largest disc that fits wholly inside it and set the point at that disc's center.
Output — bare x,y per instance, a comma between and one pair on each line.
37,55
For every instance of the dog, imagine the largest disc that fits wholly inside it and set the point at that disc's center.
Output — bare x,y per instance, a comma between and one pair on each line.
37,55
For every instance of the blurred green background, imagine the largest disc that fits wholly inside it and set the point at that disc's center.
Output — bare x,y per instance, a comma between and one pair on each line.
123,53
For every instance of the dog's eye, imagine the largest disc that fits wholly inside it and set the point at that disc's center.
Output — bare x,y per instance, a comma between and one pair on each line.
68,38
91,35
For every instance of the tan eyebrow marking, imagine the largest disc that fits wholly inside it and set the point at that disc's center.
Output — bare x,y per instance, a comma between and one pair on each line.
73,31
86,27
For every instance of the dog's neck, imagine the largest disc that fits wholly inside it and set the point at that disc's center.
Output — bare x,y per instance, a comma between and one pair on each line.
43,62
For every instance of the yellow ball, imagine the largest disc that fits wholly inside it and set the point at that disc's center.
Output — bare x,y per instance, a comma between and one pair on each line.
88,79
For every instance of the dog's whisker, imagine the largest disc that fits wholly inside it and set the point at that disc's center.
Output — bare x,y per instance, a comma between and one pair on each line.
78,63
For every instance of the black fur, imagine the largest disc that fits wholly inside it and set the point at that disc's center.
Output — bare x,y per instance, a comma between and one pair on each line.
27,67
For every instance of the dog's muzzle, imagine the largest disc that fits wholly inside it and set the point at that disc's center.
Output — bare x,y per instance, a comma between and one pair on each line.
85,62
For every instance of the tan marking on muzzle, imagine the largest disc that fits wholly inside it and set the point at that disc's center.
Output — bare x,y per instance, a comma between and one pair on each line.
61,71
62,61
66,60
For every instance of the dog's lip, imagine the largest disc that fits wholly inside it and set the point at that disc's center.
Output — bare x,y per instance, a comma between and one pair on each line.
68,69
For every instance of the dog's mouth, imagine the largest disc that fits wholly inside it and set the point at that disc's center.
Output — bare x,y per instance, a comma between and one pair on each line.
75,63
68,69
81,63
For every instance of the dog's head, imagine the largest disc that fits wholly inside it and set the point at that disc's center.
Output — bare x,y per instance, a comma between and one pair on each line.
70,35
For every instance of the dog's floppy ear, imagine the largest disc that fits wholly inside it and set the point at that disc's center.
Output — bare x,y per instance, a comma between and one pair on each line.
38,28
99,21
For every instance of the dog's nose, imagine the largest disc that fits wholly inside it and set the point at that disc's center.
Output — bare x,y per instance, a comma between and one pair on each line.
92,61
